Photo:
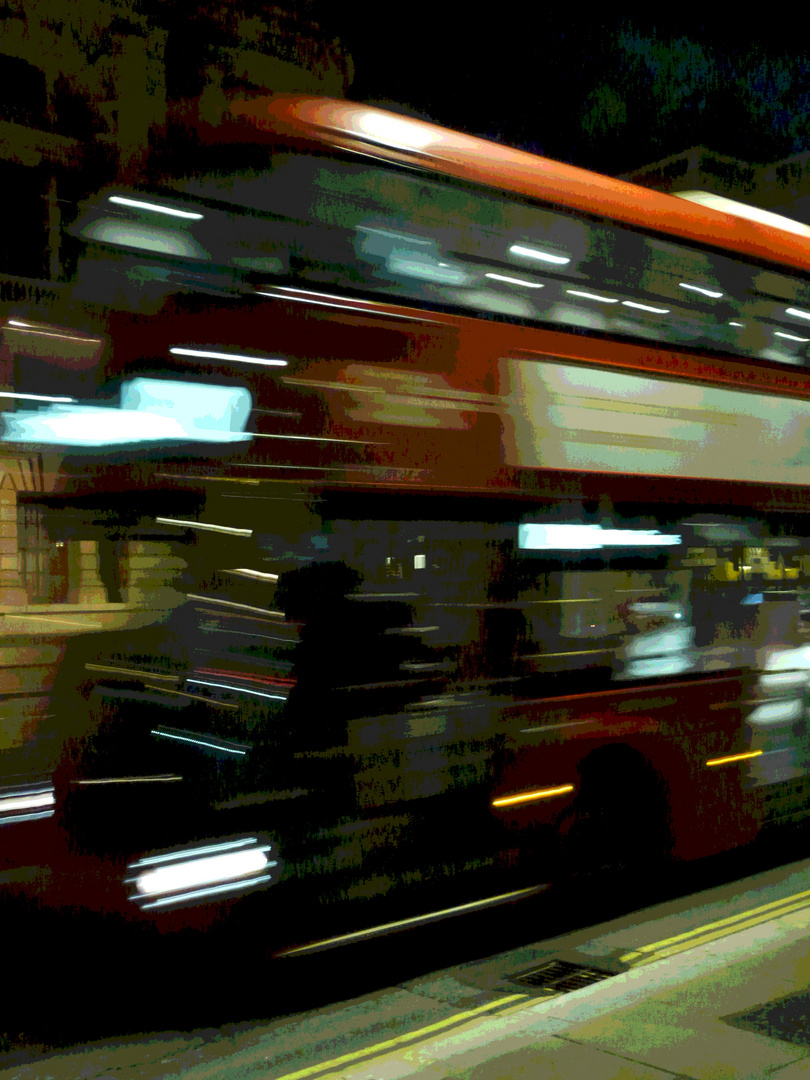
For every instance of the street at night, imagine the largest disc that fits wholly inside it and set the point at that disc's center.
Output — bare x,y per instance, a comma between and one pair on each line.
404,543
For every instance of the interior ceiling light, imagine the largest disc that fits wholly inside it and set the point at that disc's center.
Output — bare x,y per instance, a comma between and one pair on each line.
543,256
645,307
701,289
790,337
577,537
592,296
139,204
207,355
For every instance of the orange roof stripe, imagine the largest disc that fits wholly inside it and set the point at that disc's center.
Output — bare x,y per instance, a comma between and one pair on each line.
349,125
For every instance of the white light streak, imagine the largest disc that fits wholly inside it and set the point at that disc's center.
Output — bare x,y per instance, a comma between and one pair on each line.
27,328
198,742
20,801
646,307
36,397
29,803
209,870
370,307
130,780
592,296
542,256
57,622
561,537
301,468
701,289
790,337
515,281
736,324
191,697
209,849
209,355
130,671
36,816
315,438
260,575
355,305
230,530
239,689
139,204
214,890
797,312
373,931
233,604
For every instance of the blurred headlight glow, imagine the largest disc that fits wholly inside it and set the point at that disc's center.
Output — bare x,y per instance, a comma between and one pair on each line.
209,870
26,802
202,872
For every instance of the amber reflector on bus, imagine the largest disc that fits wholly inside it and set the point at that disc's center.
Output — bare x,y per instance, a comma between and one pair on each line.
532,796
735,757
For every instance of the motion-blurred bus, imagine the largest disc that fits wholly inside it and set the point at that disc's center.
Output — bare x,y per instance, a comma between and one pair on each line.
468,494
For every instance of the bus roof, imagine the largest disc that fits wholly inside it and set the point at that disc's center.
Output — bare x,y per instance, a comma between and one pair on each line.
389,136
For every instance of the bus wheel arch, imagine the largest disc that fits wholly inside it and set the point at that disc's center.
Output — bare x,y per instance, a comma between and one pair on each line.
620,818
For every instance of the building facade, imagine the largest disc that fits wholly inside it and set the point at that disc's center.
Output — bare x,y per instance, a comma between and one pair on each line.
782,187
88,90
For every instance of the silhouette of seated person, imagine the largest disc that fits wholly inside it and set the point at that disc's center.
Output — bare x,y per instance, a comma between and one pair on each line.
344,651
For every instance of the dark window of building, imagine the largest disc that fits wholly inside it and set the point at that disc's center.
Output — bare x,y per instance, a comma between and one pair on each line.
44,559
24,99
24,236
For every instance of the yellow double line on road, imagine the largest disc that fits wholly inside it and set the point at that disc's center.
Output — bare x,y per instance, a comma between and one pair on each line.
702,935
492,1008
645,954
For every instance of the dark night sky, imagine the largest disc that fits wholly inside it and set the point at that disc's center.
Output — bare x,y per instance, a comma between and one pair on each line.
609,94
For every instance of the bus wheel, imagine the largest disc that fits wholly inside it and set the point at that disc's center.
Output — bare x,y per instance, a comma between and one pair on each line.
619,820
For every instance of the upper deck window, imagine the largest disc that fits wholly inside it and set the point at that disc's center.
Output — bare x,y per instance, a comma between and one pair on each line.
414,237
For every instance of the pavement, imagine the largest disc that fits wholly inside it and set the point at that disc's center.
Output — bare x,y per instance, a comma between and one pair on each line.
716,985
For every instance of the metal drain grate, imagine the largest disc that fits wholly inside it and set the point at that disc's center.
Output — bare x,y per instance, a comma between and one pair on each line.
560,977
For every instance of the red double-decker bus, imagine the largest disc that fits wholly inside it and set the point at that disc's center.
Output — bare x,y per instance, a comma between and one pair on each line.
484,481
